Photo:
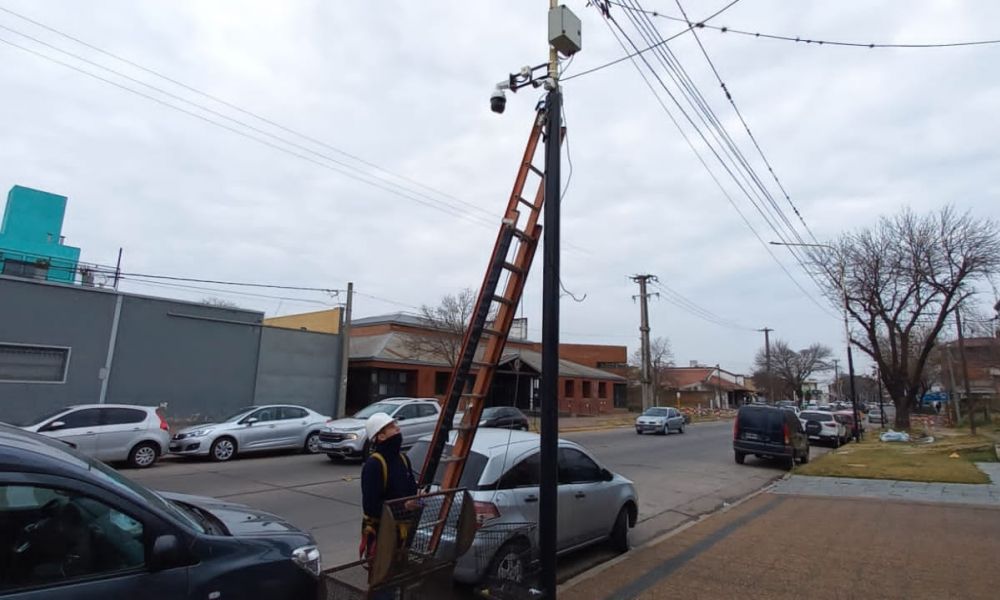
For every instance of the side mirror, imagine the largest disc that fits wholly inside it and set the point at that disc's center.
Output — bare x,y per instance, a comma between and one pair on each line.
54,425
607,475
166,553
251,420
400,418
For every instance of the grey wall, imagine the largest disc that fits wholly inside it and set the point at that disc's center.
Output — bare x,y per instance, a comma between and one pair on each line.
201,360
298,367
57,315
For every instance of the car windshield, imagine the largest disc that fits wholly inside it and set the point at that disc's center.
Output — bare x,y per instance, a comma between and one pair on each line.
655,412
378,407
489,413
39,420
473,470
816,416
236,415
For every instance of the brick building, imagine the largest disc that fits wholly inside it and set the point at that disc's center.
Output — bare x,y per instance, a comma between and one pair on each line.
403,355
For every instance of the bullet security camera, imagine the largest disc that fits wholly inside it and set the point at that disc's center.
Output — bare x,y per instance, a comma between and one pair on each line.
498,101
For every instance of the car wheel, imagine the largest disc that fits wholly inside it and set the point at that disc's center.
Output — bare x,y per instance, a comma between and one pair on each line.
680,429
789,462
312,443
740,457
619,534
510,563
222,449
666,429
638,432
143,455
836,442
804,458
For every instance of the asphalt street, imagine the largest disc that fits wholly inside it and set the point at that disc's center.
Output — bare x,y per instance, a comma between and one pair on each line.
678,477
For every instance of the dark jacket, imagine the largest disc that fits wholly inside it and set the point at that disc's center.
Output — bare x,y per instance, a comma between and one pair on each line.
399,483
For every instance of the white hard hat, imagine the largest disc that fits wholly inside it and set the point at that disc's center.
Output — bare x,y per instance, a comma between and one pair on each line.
377,423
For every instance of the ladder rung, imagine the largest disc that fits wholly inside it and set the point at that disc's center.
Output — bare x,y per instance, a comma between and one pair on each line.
452,459
493,332
478,363
525,202
522,235
472,395
536,170
463,428
503,300
513,268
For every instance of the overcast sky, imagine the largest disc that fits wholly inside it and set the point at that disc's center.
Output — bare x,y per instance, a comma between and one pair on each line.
852,133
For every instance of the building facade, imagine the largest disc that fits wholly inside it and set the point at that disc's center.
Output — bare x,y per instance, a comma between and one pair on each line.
31,239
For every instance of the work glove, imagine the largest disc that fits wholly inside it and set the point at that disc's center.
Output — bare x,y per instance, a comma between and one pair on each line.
369,533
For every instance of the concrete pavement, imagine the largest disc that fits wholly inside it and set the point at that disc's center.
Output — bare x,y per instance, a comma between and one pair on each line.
782,546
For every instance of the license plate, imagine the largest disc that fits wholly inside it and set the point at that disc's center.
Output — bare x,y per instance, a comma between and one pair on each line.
175,446
751,436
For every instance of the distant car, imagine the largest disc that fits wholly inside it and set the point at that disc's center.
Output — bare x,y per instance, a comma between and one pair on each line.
823,426
502,475
769,432
790,407
848,418
252,429
811,406
137,435
72,528
503,417
660,419
346,438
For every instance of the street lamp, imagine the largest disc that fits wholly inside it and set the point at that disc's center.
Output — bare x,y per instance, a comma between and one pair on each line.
847,332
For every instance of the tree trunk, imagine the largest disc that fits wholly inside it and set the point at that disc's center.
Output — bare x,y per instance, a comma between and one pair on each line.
902,413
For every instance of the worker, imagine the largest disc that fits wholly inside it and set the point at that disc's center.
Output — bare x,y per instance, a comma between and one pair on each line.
386,475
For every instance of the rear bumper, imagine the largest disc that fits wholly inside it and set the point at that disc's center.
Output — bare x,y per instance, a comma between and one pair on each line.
762,448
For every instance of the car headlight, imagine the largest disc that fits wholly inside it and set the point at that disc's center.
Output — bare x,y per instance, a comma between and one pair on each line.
200,432
308,558
350,436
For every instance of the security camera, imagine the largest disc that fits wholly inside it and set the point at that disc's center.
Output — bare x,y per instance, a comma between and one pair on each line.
498,101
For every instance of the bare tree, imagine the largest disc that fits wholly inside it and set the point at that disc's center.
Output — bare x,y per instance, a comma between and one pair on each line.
661,357
219,302
446,324
903,279
790,369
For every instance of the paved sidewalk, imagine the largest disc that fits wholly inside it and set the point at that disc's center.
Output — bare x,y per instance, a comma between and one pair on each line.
910,491
782,546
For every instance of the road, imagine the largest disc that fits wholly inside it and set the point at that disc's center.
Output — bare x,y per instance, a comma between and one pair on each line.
678,477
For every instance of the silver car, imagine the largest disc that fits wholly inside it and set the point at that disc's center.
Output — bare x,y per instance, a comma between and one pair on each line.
502,475
346,438
660,419
252,429
137,435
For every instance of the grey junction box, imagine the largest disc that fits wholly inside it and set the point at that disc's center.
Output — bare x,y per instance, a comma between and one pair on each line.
564,31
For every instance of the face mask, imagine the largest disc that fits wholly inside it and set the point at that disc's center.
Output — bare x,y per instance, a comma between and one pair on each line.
392,445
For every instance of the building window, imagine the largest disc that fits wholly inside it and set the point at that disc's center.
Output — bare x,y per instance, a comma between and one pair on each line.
602,389
29,270
37,364
586,389
570,386
441,379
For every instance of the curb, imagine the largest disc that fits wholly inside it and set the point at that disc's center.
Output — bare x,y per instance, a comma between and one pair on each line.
597,570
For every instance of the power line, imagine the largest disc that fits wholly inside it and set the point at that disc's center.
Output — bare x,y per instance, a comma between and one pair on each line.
693,308
148,282
638,52
805,40
237,107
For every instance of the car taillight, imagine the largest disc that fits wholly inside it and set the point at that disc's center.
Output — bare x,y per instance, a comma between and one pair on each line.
163,423
485,511
784,431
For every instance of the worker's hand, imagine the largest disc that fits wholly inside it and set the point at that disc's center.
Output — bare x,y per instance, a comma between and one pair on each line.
413,504
366,549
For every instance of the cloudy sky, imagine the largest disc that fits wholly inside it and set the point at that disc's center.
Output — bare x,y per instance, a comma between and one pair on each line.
190,186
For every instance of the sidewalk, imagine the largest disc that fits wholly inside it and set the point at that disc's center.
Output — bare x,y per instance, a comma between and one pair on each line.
782,545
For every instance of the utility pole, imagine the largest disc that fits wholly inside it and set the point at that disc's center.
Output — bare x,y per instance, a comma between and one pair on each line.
965,371
118,268
836,376
767,357
345,352
646,368
718,386
881,408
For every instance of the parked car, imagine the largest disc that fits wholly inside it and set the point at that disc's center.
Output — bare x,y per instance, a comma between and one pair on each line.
346,438
821,425
252,429
847,416
660,419
137,435
503,417
769,432
502,475
73,528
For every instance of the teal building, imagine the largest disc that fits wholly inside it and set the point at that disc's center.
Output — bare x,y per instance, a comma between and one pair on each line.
31,240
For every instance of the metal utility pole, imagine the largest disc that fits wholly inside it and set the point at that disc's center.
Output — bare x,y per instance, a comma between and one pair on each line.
345,352
836,377
646,368
118,268
965,371
767,357
718,386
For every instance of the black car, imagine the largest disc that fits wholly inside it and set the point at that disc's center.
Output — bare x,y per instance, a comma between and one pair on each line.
769,432
71,527
504,417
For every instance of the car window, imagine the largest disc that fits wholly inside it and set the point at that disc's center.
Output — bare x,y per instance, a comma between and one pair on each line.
577,467
85,417
526,473
427,410
474,466
122,416
265,414
406,412
655,412
815,416
59,536
292,412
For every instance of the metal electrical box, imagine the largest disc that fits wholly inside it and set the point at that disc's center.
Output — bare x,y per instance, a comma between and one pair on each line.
564,31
